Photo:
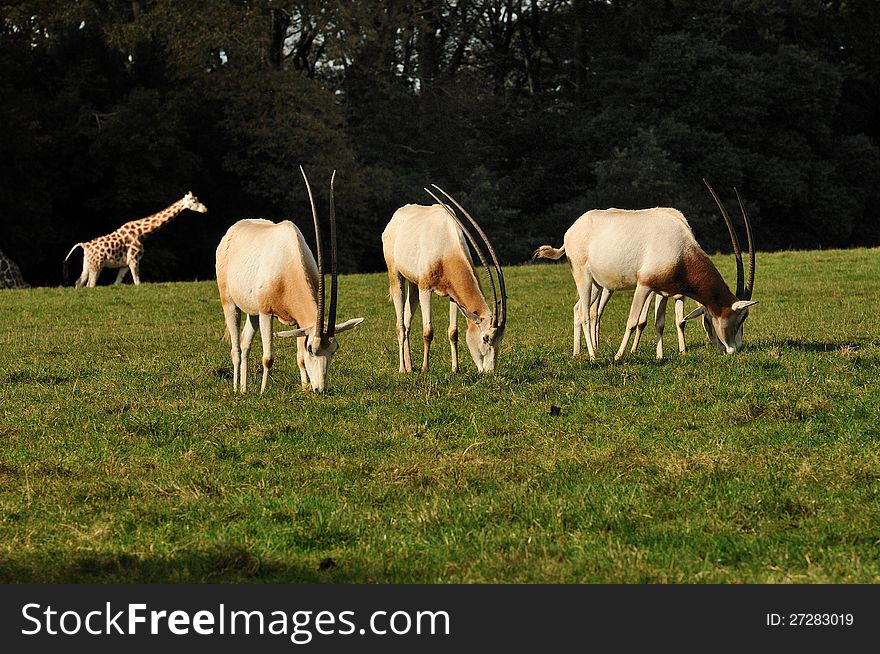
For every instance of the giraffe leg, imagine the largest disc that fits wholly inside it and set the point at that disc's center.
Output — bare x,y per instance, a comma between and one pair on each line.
84,275
94,271
134,262
120,275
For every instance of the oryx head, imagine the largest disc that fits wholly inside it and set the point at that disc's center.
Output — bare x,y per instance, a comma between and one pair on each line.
725,330
320,339
483,339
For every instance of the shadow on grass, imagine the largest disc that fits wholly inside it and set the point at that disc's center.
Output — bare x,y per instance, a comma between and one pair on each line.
232,565
815,346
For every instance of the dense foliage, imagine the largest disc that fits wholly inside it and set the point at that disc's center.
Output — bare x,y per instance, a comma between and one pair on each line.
531,112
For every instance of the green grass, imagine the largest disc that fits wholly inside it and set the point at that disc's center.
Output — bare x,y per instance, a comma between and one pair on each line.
126,458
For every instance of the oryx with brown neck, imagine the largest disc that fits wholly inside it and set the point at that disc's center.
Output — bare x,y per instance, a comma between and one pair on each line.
426,250
654,251
267,270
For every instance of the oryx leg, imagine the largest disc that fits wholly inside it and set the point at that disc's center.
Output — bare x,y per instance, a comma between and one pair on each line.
251,324
640,298
660,302
232,315
583,279
640,327
680,323
594,317
452,333
409,309
398,291
427,325
301,361
265,320
603,301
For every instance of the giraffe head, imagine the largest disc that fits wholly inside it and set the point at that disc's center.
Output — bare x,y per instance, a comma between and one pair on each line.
191,202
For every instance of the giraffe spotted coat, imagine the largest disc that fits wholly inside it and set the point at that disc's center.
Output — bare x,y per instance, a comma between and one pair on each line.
123,248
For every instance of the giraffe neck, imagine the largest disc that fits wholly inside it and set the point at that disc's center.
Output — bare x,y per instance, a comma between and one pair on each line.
152,223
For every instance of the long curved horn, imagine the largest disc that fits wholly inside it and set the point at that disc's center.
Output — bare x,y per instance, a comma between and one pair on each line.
737,253
750,279
319,320
500,312
331,312
476,247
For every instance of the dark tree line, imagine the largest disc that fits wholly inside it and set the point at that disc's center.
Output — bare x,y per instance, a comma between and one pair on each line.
530,112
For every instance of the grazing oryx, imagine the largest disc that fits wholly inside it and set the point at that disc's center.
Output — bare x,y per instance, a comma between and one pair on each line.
654,250
123,248
425,251
267,270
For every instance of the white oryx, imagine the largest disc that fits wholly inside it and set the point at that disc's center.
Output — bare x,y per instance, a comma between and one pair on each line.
654,251
425,250
267,270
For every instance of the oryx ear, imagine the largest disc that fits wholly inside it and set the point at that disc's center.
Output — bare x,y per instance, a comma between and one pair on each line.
699,311
742,304
299,331
348,324
474,318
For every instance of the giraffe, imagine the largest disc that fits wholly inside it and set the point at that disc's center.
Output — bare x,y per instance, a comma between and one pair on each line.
10,275
123,248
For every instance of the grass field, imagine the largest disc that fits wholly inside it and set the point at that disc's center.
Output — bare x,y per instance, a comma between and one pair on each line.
126,458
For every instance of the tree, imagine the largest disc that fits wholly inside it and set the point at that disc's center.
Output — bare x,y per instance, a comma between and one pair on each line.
529,112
